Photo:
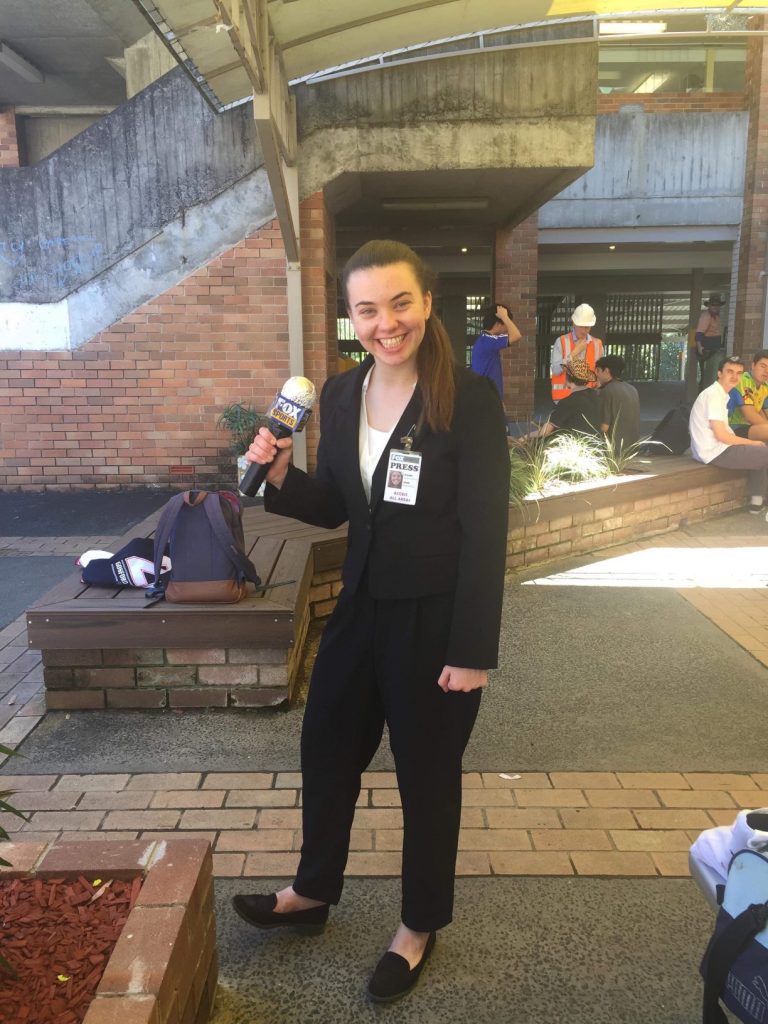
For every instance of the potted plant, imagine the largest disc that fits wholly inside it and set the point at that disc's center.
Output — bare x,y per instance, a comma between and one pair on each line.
242,421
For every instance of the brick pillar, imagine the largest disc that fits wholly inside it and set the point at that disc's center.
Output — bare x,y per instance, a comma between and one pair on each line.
515,284
318,294
9,143
753,250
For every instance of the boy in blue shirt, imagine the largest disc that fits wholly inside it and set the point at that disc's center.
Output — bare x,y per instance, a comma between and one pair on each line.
498,333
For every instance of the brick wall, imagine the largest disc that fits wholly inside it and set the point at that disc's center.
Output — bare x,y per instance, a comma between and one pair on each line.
750,293
138,403
9,143
167,677
515,283
673,102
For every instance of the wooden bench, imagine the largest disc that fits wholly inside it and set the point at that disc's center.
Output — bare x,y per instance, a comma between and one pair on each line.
103,647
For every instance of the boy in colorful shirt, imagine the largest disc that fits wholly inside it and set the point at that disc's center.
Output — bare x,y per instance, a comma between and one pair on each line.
747,414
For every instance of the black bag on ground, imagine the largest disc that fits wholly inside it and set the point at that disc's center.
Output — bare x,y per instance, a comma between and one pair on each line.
671,436
735,964
204,532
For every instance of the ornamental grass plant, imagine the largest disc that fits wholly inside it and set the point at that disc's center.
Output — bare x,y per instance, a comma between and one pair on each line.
540,466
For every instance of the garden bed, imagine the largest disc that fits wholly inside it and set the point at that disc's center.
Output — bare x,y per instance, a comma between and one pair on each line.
162,968
659,494
57,936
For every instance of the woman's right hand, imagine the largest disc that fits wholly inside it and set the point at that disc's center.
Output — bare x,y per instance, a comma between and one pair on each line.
265,449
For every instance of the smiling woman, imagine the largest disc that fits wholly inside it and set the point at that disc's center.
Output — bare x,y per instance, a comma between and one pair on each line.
413,454
388,293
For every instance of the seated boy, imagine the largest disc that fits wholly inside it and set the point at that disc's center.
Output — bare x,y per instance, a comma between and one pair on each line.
746,413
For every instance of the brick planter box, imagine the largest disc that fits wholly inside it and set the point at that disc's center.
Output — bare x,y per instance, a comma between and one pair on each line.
163,969
670,492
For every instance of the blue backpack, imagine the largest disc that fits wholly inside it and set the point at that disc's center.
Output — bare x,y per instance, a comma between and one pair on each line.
202,531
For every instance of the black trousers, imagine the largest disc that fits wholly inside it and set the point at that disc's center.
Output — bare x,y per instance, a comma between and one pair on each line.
379,661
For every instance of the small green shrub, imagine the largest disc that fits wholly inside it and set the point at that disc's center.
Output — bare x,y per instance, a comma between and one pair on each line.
242,421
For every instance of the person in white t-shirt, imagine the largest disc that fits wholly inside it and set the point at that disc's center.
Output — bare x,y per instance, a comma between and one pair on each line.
713,440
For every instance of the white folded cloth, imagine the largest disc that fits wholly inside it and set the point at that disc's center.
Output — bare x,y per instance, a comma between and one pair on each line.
716,846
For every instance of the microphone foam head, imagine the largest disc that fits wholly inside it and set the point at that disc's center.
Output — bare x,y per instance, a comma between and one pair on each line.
299,390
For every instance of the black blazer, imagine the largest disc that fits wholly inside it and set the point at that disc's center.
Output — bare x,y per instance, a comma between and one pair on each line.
452,540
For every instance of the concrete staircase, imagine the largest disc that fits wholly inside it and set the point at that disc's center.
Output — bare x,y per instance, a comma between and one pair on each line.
124,211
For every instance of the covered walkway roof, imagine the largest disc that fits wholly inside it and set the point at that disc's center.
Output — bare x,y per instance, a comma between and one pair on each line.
312,35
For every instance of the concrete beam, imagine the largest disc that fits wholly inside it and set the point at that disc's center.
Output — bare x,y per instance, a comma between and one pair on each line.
438,145
664,233
653,259
145,62
509,127
274,110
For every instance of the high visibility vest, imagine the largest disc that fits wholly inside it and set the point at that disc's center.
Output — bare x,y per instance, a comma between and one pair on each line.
560,387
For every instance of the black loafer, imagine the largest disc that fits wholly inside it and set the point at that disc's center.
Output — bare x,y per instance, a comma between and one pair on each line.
394,976
260,912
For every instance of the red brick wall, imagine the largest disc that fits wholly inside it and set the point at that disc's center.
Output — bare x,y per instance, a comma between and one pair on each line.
750,294
138,403
516,267
673,102
9,145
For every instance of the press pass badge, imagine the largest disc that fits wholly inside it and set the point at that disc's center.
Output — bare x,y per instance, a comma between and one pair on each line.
403,471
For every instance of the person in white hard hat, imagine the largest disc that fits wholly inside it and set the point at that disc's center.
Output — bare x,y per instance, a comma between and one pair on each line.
578,343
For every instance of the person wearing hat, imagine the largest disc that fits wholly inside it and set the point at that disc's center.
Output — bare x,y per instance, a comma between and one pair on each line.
709,341
578,343
580,411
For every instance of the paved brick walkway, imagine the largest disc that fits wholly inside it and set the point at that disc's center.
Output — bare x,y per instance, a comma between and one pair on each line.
556,823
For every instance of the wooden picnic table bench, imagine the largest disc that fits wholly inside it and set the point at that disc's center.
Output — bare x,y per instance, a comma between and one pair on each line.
103,647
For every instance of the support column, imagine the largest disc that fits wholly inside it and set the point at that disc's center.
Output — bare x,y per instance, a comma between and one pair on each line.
295,312
515,284
318,295
695,309
9,143
753,256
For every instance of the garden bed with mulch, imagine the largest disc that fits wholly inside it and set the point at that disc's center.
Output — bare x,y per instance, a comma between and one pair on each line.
57,935
148,956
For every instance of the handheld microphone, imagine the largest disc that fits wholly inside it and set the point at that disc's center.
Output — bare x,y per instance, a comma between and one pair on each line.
291,408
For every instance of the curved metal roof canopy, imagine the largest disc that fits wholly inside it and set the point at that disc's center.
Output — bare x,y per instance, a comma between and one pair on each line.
311,35
235,49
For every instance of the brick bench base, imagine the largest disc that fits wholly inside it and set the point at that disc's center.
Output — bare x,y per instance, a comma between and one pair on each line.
160,677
